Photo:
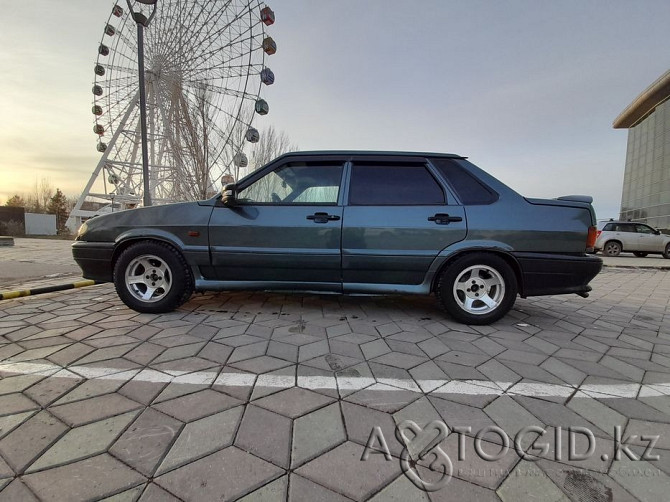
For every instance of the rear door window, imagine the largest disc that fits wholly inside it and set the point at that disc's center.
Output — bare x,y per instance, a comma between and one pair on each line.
626,227
382,184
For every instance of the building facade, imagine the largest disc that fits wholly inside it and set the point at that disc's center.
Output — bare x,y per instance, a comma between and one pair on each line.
646,185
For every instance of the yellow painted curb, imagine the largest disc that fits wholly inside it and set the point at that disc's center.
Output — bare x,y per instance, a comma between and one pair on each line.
8,295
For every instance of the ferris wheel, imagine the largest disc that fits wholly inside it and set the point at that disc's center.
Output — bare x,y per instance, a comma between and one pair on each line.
205,67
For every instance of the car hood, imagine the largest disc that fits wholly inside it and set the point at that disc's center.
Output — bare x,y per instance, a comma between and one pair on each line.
107,227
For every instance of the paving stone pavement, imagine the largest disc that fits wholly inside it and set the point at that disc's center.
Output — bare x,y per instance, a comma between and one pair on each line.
259,396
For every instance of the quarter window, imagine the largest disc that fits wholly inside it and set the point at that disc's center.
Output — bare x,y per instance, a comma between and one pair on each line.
468,188
374,184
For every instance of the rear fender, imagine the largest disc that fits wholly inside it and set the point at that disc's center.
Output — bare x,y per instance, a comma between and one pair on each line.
458,249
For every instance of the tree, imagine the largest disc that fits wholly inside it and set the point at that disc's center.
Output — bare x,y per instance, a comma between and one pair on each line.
272,144
15,201
37,201
58,205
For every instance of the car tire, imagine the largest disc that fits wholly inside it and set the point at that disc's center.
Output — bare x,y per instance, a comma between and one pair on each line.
666,253
152,277
612,248
493,294
640,254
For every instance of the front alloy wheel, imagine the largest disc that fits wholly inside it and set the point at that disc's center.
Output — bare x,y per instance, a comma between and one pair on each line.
477,288
148,278
152,277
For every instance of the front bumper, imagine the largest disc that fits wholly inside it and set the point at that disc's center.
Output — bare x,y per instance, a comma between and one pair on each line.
94,259
554,274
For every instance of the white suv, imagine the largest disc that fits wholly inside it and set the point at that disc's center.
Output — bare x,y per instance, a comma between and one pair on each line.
616,236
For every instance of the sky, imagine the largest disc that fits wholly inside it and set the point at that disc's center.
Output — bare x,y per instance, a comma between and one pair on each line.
526,89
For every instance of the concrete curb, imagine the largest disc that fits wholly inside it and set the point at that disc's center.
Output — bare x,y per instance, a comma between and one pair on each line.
638,267
8,295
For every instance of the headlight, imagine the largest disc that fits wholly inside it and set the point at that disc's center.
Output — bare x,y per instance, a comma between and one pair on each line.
82,230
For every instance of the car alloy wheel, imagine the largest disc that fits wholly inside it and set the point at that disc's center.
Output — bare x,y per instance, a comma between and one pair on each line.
148,278
477,288
152,277
666,253
612,248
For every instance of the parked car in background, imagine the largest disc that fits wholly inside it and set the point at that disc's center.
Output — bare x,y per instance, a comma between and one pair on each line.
616,237
351,222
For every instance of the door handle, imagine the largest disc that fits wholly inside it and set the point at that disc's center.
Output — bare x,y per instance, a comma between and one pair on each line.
444,219
323,217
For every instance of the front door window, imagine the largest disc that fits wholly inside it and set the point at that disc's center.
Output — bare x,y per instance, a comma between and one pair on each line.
296,183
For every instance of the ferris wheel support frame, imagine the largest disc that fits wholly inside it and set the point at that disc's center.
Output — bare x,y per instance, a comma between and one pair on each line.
71,221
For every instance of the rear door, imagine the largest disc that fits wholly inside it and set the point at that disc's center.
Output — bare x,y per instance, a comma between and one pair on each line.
626,233
396,221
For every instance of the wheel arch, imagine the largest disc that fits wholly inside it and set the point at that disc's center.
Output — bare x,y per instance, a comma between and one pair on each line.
507,257
124,241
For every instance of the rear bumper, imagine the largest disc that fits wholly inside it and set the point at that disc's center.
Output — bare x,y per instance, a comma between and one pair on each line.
552,274
94,259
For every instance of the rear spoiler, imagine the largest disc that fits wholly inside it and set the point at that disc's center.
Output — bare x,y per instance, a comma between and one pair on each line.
577,198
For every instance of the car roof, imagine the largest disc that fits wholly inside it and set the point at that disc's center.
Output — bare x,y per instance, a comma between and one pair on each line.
619,222
390,153
622,221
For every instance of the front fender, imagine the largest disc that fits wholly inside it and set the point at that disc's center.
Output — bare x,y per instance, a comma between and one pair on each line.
196,254
135,234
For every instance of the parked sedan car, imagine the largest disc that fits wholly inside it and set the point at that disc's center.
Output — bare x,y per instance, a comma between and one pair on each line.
615,237
351,222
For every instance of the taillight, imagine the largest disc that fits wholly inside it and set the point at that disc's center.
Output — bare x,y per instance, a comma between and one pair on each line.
591,239
598,234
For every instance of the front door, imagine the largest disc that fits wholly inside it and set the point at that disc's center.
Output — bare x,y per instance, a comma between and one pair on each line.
647,239
395,224
285,229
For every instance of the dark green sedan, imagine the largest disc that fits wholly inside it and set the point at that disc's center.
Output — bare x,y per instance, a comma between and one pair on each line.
351,222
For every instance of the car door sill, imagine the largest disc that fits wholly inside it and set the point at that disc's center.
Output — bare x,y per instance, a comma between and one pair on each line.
214,285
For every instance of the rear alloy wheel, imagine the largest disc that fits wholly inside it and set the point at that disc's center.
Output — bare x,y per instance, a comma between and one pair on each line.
152,277
477,288
612,248
666,253
640,254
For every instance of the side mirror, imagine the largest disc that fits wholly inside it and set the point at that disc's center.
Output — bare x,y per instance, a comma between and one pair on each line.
229,195
657,232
